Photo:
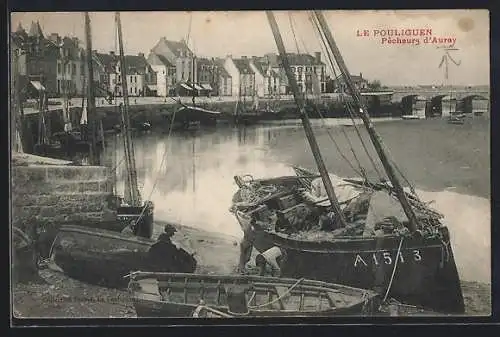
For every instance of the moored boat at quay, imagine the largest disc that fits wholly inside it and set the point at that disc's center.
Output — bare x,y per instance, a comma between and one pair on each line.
355,232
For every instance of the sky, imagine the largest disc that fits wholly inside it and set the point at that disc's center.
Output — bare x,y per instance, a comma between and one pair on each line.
237,33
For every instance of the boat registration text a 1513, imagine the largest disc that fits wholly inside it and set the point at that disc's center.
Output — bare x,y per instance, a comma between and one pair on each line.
386,257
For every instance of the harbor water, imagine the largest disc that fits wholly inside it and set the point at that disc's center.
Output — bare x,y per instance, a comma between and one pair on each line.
189,175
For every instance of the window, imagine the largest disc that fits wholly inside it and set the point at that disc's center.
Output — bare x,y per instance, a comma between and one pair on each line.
59,68
293,69
74,69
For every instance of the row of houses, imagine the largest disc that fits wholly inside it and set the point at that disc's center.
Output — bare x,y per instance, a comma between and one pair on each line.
170,69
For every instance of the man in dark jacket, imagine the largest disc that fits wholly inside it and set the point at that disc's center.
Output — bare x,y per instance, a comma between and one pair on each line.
165,256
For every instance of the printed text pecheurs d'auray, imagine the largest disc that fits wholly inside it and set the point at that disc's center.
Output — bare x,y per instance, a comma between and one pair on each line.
413,36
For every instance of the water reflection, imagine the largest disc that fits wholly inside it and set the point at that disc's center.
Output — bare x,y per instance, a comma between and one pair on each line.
192,173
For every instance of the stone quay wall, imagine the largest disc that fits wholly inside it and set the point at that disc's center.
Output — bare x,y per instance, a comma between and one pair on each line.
52,195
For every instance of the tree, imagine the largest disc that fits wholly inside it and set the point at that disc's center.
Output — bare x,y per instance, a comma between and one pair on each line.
374,85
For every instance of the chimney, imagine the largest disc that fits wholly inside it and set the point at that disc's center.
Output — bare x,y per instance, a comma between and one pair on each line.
361,75
317,56
112,53
140,54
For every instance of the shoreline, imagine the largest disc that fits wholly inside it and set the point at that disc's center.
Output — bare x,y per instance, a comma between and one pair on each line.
55,295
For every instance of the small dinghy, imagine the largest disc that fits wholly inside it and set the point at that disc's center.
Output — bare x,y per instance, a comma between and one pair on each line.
104,257
224,296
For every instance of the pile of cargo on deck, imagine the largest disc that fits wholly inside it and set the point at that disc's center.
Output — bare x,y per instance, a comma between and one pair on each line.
302,212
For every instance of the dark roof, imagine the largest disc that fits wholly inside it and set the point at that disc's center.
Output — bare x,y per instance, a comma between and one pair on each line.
158,60
204,61
107,60
356,78
220,65
303,59
20,29
133,63
36,30
243,66
259,64
176,46
136,63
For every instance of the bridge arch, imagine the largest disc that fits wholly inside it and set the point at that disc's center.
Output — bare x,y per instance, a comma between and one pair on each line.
414,105
473,104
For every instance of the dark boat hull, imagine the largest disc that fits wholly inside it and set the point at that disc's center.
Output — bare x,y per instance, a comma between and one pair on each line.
104,257
425,274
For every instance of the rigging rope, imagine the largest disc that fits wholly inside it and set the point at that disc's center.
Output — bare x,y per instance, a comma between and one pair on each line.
393,270
293,31
360,173
350,109
335,143
362,170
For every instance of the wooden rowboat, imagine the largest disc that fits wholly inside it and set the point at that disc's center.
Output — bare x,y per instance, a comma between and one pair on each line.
104,257
195,295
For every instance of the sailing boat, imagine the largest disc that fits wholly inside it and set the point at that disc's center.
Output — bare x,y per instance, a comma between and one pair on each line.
193,114
355,232
104,252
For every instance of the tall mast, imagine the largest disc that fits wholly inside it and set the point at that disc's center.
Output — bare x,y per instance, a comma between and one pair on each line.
64,89
374,136
16,105
305,120
133,191
91,111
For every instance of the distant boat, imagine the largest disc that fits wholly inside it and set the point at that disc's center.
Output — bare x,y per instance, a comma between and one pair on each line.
457,119
411,117
192,116
227,296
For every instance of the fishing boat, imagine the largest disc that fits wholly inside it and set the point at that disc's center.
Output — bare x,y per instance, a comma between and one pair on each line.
104,251
226,296
411,117
105,257
193,116
351,231
24,257
457,118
